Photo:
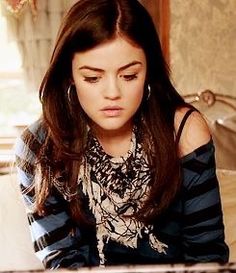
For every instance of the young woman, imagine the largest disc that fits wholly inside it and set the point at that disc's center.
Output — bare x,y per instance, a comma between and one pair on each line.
119,169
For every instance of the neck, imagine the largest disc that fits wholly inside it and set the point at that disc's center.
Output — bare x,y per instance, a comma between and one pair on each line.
115,142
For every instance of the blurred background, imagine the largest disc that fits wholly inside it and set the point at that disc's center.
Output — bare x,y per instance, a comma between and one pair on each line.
198,39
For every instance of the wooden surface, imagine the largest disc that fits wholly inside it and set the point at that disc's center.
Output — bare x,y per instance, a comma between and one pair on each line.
160,12
197,268
163,268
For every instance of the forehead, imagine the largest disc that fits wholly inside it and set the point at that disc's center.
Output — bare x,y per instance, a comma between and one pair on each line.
111,54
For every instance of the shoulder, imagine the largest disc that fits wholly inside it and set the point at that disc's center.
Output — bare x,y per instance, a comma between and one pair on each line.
36,130
195,132
31,138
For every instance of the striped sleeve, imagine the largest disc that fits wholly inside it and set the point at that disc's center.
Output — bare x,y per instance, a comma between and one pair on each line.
56,240
203,230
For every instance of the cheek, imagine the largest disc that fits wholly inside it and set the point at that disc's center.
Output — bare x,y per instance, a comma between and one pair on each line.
134,99
83,92
138,92
85,99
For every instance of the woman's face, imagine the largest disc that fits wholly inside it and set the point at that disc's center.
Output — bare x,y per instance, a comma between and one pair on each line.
109,81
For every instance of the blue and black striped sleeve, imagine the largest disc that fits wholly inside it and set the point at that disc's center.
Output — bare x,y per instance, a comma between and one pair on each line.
203,228
56,239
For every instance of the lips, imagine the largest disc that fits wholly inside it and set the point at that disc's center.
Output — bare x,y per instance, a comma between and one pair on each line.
112,111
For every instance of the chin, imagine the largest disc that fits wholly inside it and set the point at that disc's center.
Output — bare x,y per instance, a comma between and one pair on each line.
114,126
110,128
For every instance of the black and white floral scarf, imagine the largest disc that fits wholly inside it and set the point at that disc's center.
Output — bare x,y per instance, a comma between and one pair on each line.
117,188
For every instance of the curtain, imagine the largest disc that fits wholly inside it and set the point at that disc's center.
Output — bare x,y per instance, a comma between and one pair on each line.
35,32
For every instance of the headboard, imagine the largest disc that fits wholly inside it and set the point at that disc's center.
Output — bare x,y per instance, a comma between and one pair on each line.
220,113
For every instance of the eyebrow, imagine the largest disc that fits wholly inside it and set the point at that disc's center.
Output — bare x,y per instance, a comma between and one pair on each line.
101,70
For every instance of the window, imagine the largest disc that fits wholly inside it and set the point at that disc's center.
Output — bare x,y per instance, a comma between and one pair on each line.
18,106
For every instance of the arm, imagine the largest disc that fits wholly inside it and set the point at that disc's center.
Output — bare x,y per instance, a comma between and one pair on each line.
203,228
56,239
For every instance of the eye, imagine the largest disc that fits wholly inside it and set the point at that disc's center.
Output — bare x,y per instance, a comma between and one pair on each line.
130,77
91,79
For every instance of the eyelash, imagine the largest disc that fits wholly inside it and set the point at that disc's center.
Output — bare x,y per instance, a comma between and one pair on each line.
130,77
96,79
91,79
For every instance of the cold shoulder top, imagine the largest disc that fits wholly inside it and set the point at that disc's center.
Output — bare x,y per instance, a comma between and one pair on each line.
190,230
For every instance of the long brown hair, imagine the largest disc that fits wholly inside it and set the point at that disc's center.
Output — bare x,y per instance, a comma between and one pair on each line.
87,24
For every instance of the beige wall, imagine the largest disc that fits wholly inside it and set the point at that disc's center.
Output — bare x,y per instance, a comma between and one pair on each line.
203,45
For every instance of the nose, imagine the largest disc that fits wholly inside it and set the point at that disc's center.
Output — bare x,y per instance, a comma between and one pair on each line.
112,90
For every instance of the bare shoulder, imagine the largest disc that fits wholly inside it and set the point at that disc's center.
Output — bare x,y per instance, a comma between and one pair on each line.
195,132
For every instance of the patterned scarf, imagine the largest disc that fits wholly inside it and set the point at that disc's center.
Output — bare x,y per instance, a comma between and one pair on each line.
117,188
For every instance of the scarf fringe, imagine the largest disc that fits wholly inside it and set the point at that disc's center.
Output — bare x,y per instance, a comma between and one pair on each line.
156,244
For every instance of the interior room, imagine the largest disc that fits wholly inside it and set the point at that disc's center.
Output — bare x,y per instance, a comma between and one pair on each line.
199,43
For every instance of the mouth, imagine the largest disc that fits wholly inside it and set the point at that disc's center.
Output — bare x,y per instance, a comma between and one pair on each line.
112,111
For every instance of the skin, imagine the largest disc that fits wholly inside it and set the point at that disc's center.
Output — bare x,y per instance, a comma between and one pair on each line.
195,133
109,81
